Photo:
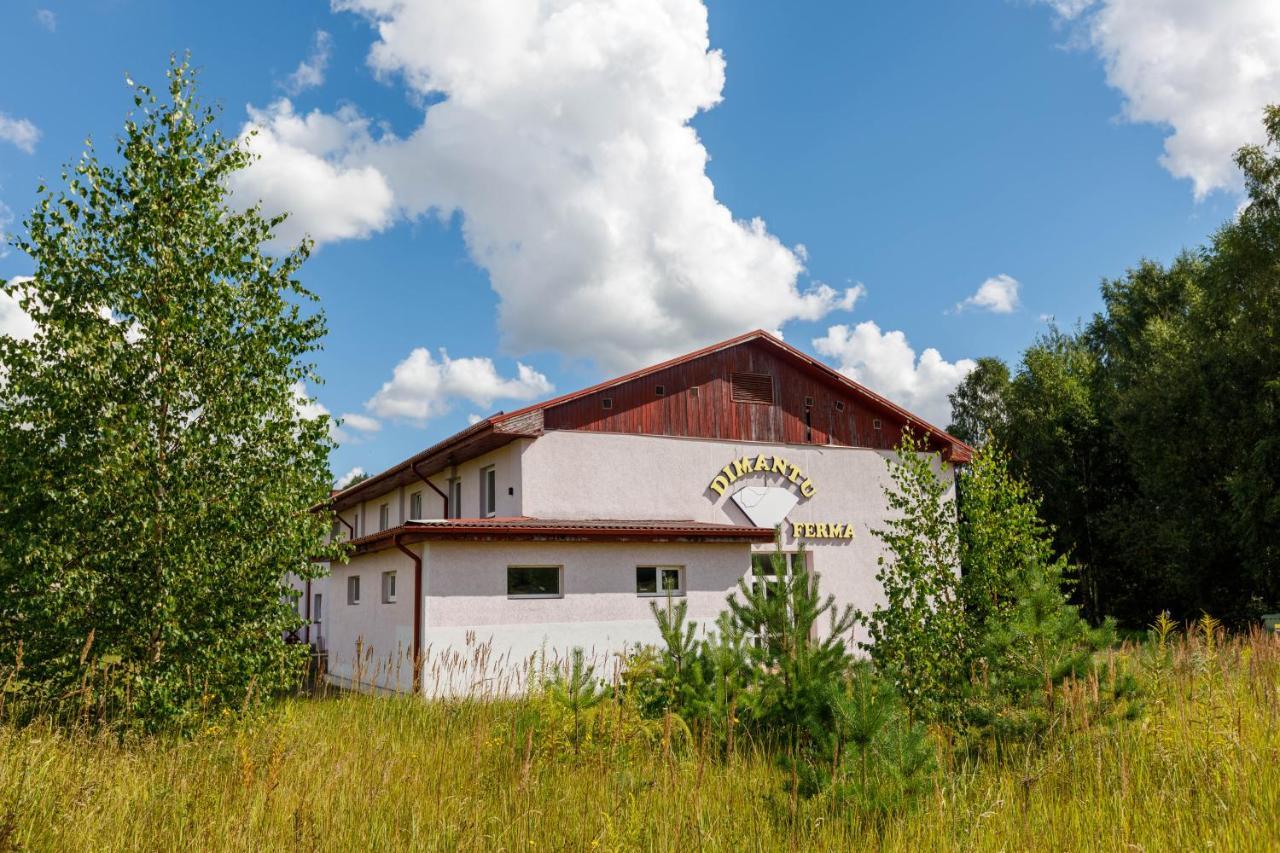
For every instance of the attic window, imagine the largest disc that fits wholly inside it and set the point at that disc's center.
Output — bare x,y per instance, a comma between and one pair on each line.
875,424
808,401
839,405
606,403
693,392
660,390
752,388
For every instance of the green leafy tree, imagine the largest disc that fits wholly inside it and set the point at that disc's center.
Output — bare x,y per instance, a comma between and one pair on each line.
979,405
155,473
917,635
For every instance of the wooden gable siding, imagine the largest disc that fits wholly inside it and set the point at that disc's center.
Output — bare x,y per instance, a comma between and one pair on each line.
698,403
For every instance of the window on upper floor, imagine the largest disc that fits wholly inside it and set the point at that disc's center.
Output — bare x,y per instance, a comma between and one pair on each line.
488,492
353,589
415,505
388,587
455,497
384,516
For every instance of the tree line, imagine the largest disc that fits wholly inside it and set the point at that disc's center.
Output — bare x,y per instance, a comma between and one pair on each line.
1151,432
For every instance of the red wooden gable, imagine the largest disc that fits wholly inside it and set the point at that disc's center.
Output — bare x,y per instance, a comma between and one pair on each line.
695,396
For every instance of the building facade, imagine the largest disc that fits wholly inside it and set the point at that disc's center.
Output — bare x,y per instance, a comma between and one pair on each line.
559,525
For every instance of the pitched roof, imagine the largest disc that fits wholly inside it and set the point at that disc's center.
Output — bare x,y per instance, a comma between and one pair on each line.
502,428
572,530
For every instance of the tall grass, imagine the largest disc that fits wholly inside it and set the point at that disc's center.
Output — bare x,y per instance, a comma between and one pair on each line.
349,771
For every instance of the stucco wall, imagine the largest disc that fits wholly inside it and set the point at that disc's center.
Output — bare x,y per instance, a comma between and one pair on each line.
479,640
605,475
383,633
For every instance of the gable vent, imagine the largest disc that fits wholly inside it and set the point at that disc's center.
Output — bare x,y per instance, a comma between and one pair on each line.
752,388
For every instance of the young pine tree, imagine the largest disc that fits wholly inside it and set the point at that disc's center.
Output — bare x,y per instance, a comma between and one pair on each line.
155,473
1025,637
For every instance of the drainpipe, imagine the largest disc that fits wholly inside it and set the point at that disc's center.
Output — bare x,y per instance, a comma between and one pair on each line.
307,631
417,613
434,487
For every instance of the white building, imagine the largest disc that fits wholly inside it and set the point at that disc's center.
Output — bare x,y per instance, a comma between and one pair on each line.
557,525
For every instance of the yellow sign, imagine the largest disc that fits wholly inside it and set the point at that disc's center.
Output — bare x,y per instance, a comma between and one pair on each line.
761,465
821,530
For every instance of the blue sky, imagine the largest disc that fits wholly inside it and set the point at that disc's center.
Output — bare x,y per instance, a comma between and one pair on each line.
515,182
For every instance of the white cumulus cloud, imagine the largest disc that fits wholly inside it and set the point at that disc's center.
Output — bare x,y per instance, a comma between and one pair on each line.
998,294
886,363
347,478
1203,68
422,387
14,321
310,72
360,423
559,130
19,132
302,168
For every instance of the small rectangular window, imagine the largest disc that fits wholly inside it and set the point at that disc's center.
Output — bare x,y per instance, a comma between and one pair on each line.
808,401
839,405
488,492
455,498
415,505
659,580
353,589
606,403
384,516
335,533
317,612
533,581
660,390
388,587
875,423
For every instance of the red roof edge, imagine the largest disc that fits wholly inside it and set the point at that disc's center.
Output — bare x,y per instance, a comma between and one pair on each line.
960,451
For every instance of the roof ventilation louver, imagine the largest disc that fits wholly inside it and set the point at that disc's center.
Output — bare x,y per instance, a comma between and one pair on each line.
752,388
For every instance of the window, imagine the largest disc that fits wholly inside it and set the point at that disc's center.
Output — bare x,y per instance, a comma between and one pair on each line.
455,497
752,388
356,525
533,581
316,611
660,390
606,403
415,505
353,589
839,405
659,580
335,533
488,492
388,587
384,516
808,424
763,570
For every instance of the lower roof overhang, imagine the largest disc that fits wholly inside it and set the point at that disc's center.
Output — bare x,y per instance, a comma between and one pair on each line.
558,530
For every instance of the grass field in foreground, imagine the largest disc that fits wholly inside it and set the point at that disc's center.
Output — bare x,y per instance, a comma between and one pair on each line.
354,772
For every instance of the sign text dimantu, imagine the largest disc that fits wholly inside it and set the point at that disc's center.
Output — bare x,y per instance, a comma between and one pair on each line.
821,530
761,465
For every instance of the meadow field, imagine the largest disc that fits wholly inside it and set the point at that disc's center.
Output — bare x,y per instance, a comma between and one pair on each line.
1196,767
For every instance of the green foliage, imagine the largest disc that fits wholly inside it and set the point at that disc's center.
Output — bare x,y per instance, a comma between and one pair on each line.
871,756
978,405
576,689
917,636
1152,435
155,476
799,648
1027,639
